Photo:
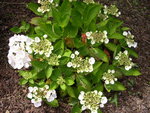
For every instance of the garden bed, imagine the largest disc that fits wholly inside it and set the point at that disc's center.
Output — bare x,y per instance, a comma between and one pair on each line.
137,97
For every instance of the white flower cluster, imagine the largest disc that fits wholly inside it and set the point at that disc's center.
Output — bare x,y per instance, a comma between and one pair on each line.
124,60
92,100
98,37
82,65
130,39
109,77
42,46
46,5
18,56
88,1
112,10
36,95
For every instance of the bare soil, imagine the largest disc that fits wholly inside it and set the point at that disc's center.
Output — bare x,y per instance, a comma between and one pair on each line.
136,15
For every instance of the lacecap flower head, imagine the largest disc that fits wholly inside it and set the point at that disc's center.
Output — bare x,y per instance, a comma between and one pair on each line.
36,94
97,37
109,77
123,60
42,46
82,65
92,100
130,39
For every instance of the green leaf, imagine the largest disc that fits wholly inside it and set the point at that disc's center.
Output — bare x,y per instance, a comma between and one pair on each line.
80,7
33,7
95,52
99,86
62,16
59,44
76,109
63,87
15,30
90,13
114,100
37,21
116,36
56,73
24,26
47,29
38,31
131,72
67,53
81,80
38,65
64,60
111,46
132,52
71,92
78,43
117,86
125,28
48,72
113,24
31,81
54,103
76,18
23,81
53,85
102,23
69,81
99,111
27,75
96,67
84,51
71,31
98,75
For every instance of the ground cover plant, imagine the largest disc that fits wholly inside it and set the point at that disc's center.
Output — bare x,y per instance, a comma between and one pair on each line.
77,49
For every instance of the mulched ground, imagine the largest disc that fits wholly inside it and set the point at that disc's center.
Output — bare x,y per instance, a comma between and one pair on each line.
136,99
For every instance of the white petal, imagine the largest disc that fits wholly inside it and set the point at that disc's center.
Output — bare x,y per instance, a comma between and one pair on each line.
38,104
29,95
103,100
125,33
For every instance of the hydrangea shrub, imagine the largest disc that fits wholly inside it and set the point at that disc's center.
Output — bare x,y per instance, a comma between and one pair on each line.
77,49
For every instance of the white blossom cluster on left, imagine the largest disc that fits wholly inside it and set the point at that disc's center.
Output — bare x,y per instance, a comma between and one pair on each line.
19,50
37,94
